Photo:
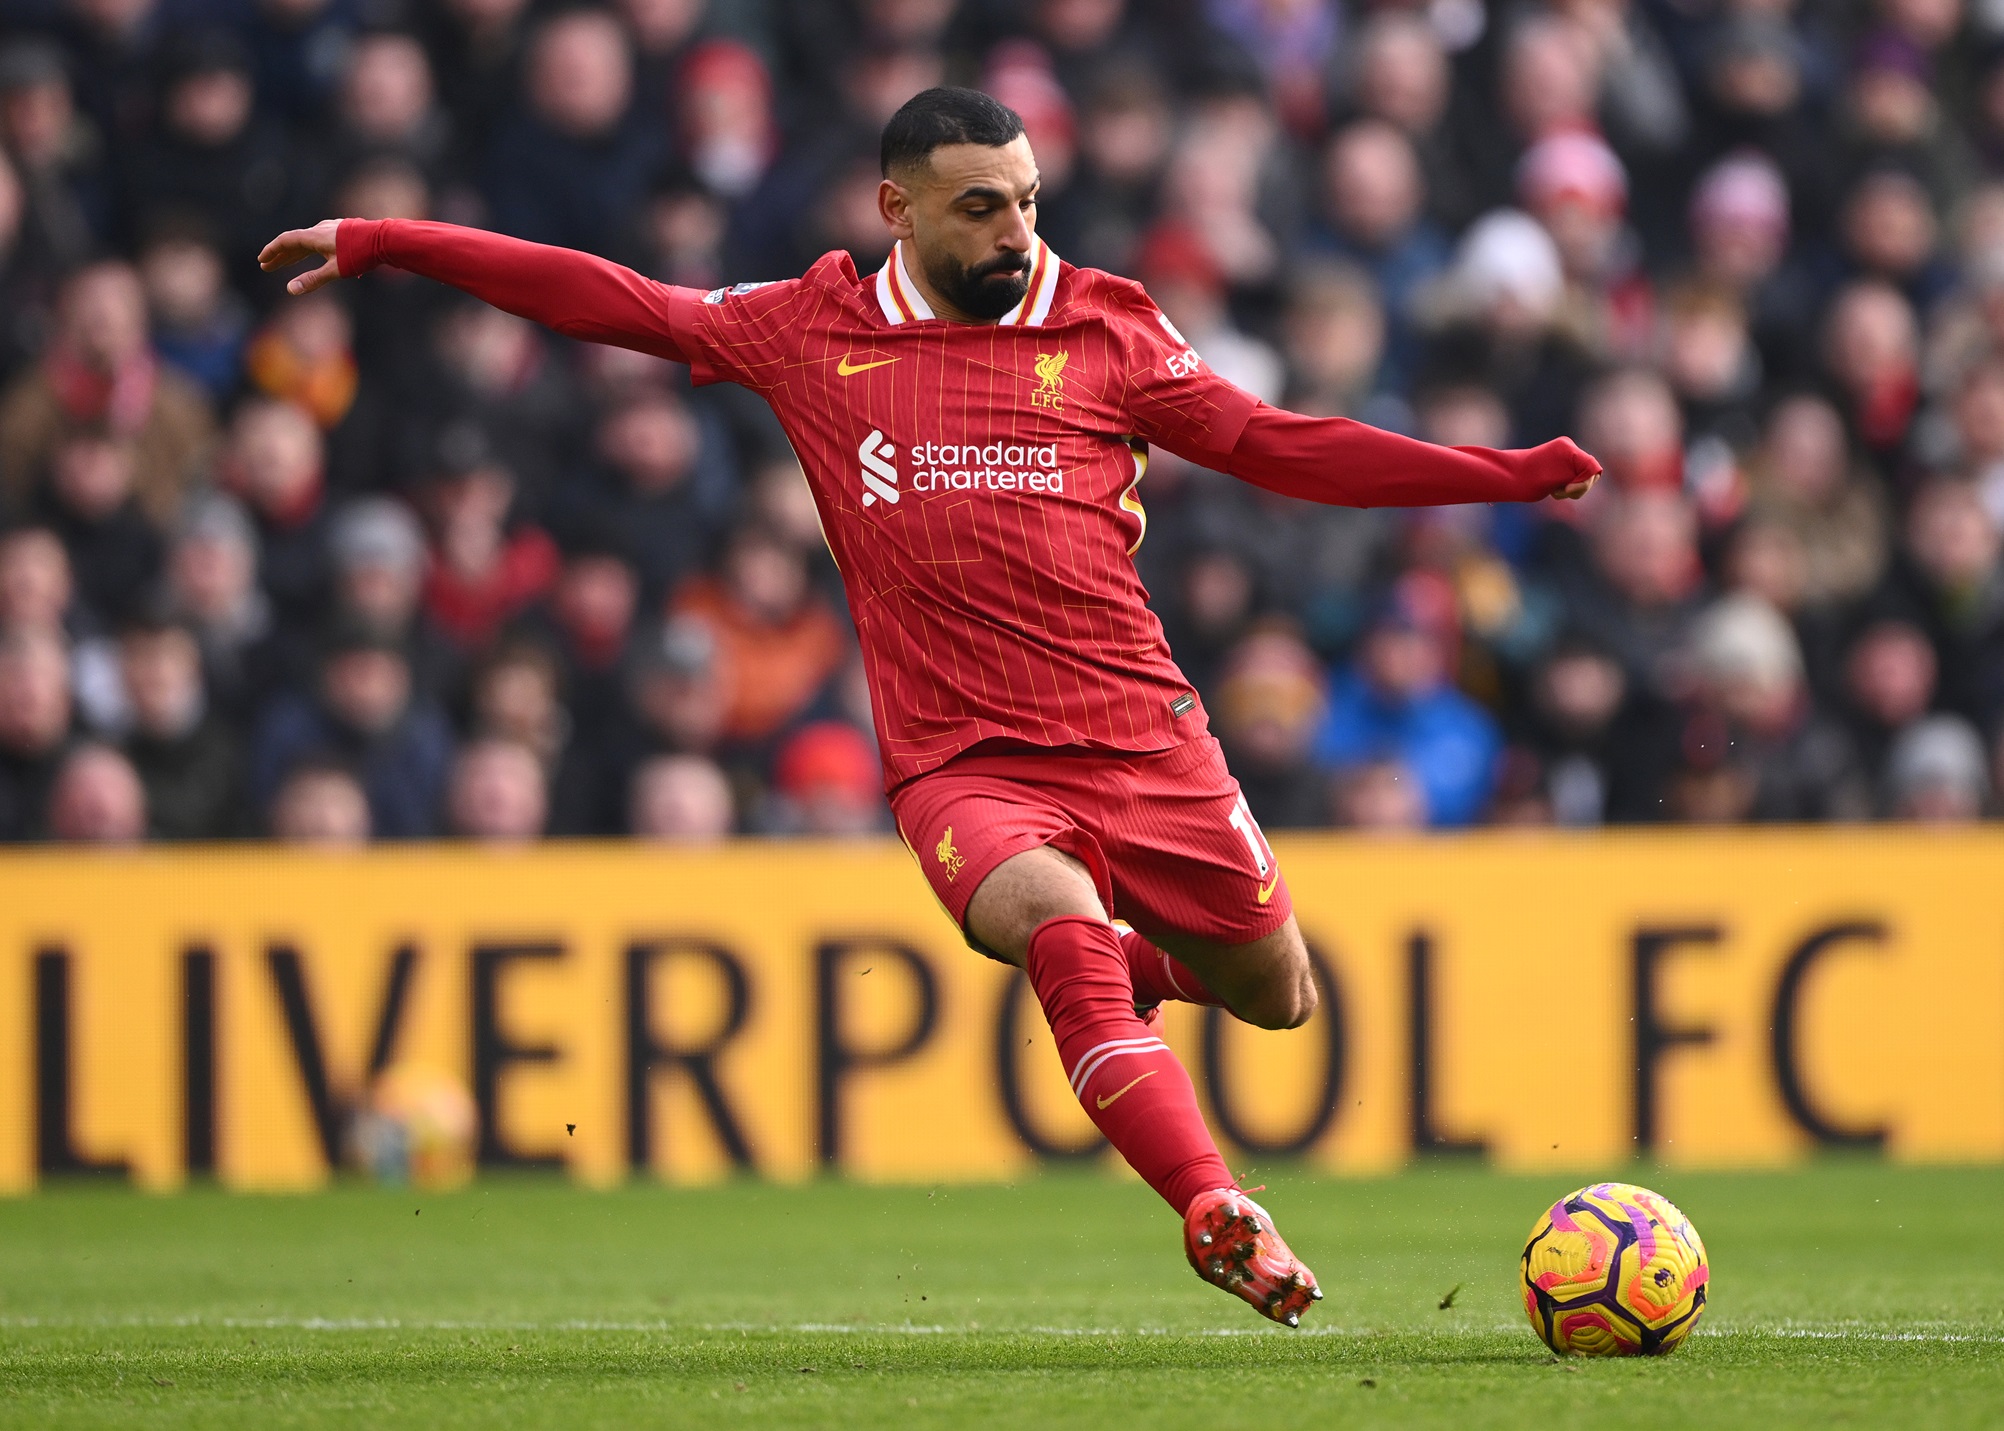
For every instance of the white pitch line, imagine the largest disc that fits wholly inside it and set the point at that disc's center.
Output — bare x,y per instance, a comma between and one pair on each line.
912,1329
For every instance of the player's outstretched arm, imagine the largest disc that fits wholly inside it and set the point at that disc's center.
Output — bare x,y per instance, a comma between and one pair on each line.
577,294
1350,464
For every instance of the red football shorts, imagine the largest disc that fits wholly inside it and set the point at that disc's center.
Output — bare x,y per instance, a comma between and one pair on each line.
1166,835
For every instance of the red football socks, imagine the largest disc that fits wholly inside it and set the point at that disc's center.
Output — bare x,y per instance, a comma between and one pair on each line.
1131,1085
1158,977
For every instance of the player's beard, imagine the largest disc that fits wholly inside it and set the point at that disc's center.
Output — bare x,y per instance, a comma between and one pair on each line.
987,290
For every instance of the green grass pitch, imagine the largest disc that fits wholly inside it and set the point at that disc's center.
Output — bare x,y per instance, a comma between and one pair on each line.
1844,1294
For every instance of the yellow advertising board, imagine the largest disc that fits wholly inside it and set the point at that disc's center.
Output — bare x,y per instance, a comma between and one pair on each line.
1551,1001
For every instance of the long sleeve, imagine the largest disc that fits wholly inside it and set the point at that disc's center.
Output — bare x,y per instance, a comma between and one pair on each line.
1341,463
578,295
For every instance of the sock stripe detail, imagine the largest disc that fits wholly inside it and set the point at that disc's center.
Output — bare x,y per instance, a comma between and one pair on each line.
1090,1064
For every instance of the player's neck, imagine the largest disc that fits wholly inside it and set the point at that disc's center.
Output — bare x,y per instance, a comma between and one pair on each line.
941,307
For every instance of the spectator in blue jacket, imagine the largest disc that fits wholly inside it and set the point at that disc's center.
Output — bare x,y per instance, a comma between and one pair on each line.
363,715
1394,702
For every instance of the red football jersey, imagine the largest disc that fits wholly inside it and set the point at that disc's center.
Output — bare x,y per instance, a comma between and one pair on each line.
976,483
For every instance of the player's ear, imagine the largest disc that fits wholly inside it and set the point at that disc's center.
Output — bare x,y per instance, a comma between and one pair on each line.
895,204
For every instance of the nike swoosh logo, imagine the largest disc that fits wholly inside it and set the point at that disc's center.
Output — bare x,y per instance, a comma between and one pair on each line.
1103,1102
1271,885
849,370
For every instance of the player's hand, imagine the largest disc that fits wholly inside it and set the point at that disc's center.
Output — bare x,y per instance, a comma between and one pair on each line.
1586,471
295,244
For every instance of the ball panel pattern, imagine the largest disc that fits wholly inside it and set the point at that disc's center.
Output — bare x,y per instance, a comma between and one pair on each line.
1614,1270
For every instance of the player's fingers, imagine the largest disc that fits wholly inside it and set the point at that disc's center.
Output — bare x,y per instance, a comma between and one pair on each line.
286,248
318,278
1585,464
1586,470
295,244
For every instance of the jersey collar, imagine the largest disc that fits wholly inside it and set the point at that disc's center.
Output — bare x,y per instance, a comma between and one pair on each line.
901,302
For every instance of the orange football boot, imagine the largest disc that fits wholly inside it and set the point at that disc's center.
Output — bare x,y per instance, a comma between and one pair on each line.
1231,1242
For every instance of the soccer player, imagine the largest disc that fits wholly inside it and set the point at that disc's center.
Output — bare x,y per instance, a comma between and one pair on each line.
975,419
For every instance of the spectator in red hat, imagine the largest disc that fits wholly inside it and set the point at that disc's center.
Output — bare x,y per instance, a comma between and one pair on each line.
724,115
826,781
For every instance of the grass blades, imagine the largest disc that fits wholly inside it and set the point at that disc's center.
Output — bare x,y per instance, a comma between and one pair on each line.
1843,1293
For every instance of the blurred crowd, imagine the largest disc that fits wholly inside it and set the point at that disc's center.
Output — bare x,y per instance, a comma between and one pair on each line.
385,563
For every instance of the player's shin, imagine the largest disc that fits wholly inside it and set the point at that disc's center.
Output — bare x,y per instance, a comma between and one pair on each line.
1131,1085
1158,977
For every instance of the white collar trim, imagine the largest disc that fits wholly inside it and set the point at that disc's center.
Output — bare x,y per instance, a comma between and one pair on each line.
897,295
900,300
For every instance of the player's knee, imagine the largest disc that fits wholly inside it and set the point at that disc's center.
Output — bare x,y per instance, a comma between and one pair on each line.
1299,1003
1286,1001
1306,1000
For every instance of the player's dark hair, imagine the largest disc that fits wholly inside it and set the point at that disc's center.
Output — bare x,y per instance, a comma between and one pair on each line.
943,115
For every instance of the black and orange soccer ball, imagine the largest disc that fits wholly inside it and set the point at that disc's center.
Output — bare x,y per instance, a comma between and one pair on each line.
419,1126
1614,1270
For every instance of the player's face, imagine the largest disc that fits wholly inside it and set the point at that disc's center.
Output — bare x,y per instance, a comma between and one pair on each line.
968,216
